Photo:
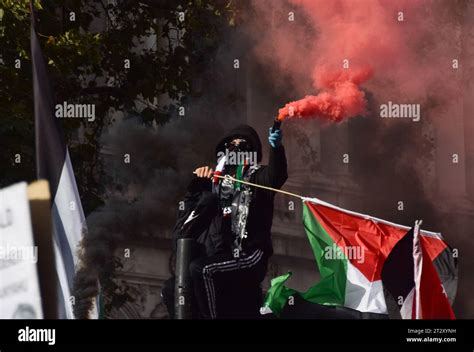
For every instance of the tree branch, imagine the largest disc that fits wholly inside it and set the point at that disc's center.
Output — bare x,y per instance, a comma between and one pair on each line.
115,91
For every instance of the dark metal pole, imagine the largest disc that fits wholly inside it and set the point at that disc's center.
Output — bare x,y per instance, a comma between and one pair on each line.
185,252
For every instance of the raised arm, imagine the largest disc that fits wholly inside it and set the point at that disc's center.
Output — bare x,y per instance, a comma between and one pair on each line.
275,173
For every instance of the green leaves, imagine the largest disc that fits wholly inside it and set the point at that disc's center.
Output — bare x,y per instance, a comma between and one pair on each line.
135,57
135,50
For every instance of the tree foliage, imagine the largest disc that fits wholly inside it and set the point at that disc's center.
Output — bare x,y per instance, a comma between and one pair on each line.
86,45
125,56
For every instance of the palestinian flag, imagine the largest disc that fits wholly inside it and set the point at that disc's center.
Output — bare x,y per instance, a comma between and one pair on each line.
411,280
54,165
350,251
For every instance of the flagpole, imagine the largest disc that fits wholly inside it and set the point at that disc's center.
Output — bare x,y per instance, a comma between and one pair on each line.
319,201
417,267
33,19
230,178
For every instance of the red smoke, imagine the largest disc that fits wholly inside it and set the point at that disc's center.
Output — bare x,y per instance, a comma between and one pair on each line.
341,97
412,62
353,31
369,35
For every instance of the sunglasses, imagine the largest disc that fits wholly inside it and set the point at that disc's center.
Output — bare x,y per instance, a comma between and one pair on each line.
242,144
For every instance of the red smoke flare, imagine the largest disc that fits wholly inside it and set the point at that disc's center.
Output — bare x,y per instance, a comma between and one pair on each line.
340,98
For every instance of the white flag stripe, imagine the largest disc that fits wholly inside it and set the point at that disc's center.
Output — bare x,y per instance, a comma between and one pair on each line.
69,224
69,207
418,263
363,295
407,308
67,311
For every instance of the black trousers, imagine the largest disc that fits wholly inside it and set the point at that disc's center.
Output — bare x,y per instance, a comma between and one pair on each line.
228,288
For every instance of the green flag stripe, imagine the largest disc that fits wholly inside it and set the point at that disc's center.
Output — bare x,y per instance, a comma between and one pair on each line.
331,288
278,293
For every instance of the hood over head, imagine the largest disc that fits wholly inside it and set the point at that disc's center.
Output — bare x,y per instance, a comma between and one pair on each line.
245,132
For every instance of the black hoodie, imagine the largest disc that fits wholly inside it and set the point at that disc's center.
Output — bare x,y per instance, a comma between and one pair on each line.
260,216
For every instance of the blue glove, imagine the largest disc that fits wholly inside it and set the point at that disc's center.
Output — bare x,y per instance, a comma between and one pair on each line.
274,138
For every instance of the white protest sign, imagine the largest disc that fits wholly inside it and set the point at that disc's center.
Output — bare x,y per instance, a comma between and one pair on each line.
20,296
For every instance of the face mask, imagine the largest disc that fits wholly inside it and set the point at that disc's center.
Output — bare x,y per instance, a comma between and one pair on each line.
243,146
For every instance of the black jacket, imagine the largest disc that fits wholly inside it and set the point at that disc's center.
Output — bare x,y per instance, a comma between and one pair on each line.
207,225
